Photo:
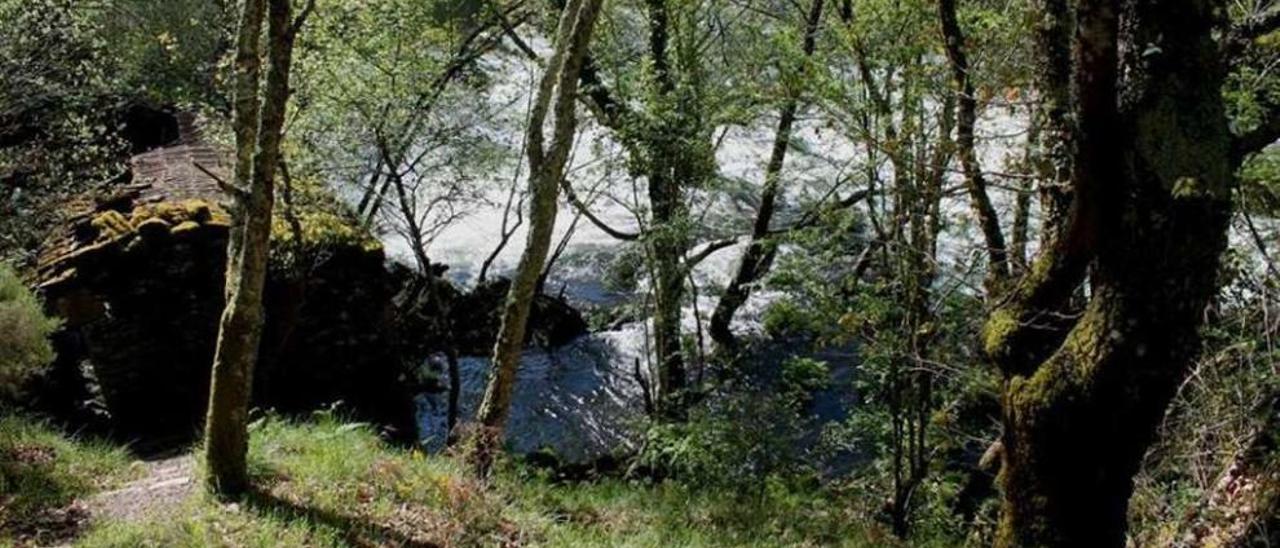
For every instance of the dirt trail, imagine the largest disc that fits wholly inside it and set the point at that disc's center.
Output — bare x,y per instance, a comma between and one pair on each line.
167,483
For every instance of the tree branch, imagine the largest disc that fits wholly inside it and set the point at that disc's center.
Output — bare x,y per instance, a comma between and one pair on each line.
1254,141
236,192
585,210
812,217
301,19
696,259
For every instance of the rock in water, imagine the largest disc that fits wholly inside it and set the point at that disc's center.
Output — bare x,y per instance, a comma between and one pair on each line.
552,322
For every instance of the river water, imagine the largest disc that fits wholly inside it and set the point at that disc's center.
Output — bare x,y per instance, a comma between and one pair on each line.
583,400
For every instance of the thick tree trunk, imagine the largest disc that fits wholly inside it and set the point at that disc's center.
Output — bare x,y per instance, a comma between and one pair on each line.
1155,177
546,169
761,250
240,329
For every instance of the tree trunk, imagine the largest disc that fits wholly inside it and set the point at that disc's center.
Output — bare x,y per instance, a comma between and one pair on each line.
245,124
546,169
1053,87
668,296
975,181
1153,173
668,240
240,329
758,257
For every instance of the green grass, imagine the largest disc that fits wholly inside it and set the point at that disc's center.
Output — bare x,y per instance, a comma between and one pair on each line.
326,483
42,471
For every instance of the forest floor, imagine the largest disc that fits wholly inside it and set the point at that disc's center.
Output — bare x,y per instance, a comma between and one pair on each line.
329,483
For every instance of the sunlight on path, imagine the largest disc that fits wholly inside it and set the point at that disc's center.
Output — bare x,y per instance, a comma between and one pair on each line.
166,484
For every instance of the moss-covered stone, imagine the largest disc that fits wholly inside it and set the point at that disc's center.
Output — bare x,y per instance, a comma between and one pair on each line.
111,225
332,333
153,228
185,227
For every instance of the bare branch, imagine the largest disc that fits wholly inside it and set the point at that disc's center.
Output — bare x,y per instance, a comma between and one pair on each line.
301,19
235,191
696,259
585,210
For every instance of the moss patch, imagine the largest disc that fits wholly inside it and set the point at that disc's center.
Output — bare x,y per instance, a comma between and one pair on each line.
158,220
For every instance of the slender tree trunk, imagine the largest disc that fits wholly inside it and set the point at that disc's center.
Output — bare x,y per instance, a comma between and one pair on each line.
546,169
761,250
240,330
975,181
668,297
911,389
245,124
1153,172
409,212
1021,229
668,240
455,391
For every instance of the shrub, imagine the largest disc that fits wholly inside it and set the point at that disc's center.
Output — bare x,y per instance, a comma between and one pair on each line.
24,333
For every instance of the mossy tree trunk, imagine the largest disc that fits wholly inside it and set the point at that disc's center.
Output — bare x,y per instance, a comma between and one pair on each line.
546,169
259,123
1151,181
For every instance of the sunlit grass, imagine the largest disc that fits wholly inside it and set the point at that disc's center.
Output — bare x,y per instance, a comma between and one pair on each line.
42,470
326,483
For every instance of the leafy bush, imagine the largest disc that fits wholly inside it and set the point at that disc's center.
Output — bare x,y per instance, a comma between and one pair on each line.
753,430
24,333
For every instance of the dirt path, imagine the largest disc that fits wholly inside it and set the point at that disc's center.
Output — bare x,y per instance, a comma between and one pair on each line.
167,483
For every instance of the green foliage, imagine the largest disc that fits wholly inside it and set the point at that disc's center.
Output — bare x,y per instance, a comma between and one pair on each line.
1217,414
324,221
56,116
169,51
395,73
747,433
801,376
1259,192
24,333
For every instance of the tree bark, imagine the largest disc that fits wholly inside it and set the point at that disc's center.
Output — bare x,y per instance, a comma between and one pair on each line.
668,240
546,169
1152,170
240,329
245,124
975,181
761,250
1053,87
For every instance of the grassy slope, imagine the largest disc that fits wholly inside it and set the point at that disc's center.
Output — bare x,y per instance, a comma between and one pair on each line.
42,472
330,484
